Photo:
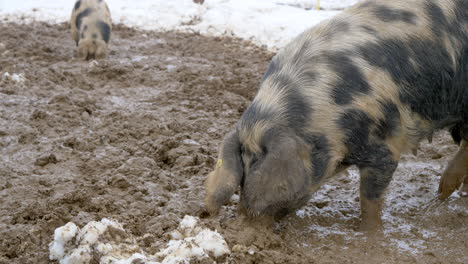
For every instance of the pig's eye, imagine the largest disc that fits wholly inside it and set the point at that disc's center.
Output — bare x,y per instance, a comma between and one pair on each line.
264,150
253,161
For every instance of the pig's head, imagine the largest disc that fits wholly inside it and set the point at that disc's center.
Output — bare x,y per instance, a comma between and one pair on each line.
272,168
92,49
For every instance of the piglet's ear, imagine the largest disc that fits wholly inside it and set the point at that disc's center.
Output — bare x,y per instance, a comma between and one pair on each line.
226,177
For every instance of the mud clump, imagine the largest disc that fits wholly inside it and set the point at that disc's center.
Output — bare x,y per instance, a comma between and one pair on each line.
45,159
133,137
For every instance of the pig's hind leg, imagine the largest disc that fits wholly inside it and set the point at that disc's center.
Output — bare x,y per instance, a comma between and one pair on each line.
455,174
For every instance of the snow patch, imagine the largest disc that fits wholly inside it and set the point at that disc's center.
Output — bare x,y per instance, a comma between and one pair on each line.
192,241
275,22
62,237
108,240
190,142
15,77
105,238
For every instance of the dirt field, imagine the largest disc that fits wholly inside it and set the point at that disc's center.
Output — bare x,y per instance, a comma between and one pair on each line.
133,137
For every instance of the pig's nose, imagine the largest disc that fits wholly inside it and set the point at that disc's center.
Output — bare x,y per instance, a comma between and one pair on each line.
90,56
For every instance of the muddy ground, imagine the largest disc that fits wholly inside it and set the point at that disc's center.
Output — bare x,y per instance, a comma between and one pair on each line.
132,138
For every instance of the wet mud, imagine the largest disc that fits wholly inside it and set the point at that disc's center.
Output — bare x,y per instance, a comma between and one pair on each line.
133,136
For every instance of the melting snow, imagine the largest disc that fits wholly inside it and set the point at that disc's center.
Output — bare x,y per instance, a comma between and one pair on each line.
276,21
17,78
109,240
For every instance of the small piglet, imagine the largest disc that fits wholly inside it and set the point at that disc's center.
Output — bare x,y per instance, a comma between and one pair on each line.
91,26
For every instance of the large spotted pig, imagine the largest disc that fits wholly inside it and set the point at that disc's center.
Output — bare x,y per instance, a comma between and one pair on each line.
91,26
359,89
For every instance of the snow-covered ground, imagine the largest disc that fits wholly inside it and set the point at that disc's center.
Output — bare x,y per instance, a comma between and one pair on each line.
266,22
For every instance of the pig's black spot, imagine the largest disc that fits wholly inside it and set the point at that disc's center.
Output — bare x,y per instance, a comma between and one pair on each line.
77,5
376,177
373,158
350,81
367,4
437,18
252,115
461,12
430,88
308,77
298,109
362,151
105,30
320,156
283,81
273,67
389,125
391,55
388,14
85,27
300,54
369,29
336,27
81,15
356,126
94,36
340,26
82,35
423,69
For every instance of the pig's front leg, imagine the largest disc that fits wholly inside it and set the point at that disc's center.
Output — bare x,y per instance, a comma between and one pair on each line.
373,182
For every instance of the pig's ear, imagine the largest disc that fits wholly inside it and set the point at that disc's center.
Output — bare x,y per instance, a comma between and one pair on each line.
282,177
226,177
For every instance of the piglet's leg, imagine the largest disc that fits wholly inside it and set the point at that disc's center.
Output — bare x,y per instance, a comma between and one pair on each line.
373,182
455,173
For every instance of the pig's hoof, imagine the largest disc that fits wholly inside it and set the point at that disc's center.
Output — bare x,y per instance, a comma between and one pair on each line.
464,189
448,184
371,228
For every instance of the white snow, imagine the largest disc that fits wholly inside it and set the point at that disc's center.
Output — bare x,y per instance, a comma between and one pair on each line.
15,77
62,236
108,239
212,242
265,22
192,241
190,142
188,222
72,245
